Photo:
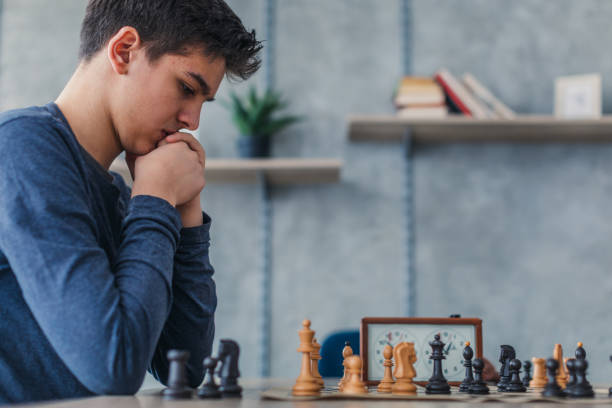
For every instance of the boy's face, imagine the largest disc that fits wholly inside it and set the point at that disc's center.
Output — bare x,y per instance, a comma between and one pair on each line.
159,98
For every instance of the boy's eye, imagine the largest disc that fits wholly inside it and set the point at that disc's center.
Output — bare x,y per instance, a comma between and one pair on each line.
186,89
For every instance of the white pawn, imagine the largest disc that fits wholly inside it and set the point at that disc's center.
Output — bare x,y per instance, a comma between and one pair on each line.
346,352
354,385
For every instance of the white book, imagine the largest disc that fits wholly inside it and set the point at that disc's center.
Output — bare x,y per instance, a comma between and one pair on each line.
476,108
423,112
483,93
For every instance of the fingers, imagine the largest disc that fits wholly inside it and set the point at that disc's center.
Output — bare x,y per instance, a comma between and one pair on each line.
191,141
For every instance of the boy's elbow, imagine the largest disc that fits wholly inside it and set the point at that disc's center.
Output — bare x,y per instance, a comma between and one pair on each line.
121,384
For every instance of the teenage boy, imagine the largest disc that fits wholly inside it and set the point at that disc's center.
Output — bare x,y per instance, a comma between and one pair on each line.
98,282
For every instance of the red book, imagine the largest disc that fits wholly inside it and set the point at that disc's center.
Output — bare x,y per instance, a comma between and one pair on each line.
442,79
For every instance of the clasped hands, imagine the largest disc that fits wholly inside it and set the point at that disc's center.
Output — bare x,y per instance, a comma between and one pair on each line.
174,172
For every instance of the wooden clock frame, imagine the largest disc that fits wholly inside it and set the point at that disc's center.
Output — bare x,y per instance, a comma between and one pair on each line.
366,321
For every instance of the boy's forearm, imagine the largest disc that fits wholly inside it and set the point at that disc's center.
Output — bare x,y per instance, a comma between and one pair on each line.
190,325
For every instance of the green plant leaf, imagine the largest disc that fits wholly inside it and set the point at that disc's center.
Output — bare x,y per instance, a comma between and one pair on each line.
242,125
253,115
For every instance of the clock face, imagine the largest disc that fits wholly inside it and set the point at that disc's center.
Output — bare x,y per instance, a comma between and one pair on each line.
453,336
454,343
391,336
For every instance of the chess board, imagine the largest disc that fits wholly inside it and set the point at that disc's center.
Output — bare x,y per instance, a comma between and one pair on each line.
532,395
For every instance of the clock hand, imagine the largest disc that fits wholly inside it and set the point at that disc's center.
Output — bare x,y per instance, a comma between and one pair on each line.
448,348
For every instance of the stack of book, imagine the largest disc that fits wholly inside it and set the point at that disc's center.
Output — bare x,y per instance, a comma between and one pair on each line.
471,97
420,97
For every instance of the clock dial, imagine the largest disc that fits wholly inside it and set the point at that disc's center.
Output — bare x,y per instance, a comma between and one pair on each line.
420,331
454,343
391,336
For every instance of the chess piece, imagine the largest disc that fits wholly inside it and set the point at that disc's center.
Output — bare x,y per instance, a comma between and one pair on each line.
478,386
468,353
437,383
315,356
305,384
387,381
515,384
582,388
552,389
570,364
209,389
580,352
404,356
229,352
506,355
354,385
539,373
562,376
346,352
177,377
527,376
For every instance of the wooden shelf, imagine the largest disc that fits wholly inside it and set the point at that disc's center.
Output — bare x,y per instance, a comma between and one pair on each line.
538,129
277,171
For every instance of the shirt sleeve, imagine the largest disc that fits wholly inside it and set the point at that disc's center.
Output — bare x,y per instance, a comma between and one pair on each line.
190,325
103,320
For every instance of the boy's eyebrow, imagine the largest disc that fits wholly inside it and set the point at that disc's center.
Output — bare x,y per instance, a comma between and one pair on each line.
202,82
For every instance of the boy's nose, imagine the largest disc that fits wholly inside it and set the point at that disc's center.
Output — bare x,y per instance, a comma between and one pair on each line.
190,117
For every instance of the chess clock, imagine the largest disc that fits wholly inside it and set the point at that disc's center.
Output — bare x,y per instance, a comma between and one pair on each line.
377,332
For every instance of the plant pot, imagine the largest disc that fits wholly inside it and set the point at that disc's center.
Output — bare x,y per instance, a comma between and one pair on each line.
253,146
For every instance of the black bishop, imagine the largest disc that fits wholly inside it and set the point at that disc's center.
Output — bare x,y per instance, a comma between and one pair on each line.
468,353
581,388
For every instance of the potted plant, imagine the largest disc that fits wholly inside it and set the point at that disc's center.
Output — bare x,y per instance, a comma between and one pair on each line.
257,120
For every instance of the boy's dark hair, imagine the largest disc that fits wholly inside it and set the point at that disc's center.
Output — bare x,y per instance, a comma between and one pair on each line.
169,26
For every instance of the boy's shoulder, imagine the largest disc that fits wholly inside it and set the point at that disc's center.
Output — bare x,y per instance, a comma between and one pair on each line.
34,135
31,126
27,124
34,114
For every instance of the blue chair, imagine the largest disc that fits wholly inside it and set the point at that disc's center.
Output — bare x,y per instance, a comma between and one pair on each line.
331,352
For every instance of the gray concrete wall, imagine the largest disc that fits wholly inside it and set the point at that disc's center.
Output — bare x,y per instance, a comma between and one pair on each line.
515,234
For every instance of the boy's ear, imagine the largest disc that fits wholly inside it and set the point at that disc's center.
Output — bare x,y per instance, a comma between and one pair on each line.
121,48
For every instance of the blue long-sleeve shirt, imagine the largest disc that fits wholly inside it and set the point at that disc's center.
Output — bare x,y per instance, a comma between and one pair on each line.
95,286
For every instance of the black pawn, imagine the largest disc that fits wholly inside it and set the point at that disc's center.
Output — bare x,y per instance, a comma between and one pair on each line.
229,373
571,370
527,376
506,355
515,385
582,388
209,389
437,383
552,389
177,377
478,386
468,353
